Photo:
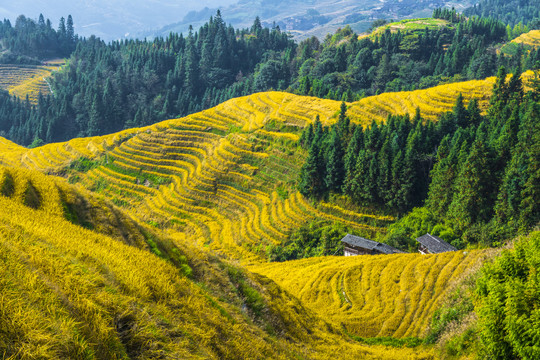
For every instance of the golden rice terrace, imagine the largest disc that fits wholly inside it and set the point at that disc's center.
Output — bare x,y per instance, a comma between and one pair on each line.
219,187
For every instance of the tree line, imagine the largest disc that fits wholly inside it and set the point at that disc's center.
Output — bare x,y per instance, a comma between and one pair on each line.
29,42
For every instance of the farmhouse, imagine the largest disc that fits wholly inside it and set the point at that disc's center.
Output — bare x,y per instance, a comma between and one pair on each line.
356,245
430,244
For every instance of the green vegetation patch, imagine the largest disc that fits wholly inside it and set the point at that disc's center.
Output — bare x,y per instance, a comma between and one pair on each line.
7,187
252,298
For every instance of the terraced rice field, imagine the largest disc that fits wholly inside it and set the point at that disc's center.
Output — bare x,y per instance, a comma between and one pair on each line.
529,41
532,38
22,80
224,180
374,296
213,176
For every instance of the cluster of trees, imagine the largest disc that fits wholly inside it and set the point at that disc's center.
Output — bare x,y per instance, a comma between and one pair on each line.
477,174
343,67
386,164
28,42
510,12
109,87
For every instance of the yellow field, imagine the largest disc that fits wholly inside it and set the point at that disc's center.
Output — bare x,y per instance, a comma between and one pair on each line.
22,80
374,296
532,38
69,292
218,187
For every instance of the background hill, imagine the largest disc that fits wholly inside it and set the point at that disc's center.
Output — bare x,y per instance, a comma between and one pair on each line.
108,20
304,19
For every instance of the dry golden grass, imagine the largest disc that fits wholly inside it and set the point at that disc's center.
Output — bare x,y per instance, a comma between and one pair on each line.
70,293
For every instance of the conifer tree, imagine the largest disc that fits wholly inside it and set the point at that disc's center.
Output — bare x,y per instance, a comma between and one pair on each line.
475,193
312,174
355,145
460,113
335,169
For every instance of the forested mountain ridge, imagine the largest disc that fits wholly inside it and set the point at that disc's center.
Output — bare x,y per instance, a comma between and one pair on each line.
105,88
304,19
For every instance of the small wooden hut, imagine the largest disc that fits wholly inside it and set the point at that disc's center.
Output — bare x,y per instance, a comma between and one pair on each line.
430,244
356,245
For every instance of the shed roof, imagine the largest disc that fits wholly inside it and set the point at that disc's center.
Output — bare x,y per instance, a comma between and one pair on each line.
363,243
435,244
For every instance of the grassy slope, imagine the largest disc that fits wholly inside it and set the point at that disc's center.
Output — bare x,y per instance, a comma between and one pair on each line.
374,296
68,292
22,80
220,182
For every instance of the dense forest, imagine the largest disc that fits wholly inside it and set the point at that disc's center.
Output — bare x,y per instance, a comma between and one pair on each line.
511,12
477,176
109,87
29,42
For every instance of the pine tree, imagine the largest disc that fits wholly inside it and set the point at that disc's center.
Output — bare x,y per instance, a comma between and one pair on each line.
355,145
335,169
312,174
70,31
460,113
442,178
474,198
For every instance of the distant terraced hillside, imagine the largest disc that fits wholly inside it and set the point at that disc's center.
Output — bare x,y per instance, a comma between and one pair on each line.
409,25
22,80
374,296
529,41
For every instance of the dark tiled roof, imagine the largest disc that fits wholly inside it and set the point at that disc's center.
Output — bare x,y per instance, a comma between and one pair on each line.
357,241
435,244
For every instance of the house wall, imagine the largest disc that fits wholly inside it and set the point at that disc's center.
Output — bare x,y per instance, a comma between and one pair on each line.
423,250
350,251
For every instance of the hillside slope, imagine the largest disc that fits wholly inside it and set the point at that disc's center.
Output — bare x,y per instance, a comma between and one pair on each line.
69,292
374,296
206,194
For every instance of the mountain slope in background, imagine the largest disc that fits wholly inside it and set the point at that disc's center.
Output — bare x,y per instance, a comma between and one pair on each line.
108,20
305,18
